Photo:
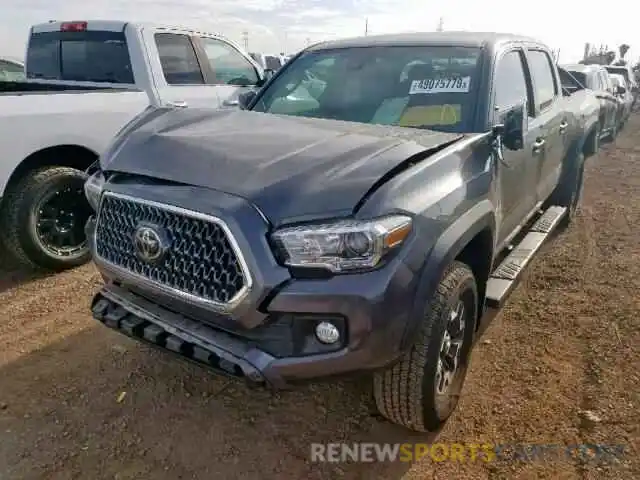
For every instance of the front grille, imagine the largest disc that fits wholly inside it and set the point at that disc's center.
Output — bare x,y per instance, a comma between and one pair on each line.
199,259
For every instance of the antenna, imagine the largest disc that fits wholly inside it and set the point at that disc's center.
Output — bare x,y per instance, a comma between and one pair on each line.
440,25
366,26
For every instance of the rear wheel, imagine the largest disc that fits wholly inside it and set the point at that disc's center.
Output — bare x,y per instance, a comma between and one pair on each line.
43,218
421,391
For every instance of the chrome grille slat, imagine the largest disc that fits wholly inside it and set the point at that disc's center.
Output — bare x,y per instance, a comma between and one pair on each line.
202,260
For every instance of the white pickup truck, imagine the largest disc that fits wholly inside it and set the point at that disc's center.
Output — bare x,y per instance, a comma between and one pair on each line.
85,81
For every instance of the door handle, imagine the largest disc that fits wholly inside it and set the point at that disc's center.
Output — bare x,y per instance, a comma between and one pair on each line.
538,144
231,103
563,127
178,104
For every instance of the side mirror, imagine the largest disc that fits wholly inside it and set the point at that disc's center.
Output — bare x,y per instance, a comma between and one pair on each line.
245,98
268,73
514,126
620,90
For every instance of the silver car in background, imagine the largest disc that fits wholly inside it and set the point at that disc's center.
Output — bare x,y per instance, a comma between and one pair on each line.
624,96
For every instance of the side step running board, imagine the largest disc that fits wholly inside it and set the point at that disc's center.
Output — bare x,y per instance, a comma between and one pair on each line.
505,278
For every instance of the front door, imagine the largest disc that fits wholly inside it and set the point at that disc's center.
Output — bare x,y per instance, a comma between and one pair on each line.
232,72
516,170
182,79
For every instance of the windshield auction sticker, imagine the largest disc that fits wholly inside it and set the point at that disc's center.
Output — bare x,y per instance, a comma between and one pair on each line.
440,85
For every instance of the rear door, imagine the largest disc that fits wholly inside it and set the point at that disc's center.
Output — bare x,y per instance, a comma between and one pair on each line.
549,124
232,72
610,101
180,76
516,172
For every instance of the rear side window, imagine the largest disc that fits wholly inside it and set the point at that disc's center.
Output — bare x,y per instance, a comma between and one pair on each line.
510,82
543,78
89,56
178,59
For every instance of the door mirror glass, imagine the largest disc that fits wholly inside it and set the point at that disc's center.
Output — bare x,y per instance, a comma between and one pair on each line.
620,90
515,126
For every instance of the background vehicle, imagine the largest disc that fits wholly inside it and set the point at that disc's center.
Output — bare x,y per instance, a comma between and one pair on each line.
624,96
11,70
86,80
364,231
268,62
627,73
596,78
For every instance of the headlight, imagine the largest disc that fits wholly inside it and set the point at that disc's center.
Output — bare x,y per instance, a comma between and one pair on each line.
93,189
341,246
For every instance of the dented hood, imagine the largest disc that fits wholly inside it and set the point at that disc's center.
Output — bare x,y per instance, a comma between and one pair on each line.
289,167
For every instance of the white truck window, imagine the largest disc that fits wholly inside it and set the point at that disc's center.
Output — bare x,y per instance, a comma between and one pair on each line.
178,59
229,66
89,55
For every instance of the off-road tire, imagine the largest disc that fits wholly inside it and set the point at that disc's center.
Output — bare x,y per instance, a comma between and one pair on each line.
405,393
15,217
568,192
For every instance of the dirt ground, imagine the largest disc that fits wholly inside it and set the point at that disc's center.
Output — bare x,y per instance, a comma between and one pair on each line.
78,401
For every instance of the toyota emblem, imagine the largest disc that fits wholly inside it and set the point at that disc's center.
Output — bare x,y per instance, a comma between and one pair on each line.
149,243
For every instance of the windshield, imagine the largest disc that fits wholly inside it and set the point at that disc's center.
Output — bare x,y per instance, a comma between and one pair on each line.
90,56
424,87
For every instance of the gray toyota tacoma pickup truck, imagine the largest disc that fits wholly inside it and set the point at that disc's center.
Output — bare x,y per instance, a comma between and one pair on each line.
351,217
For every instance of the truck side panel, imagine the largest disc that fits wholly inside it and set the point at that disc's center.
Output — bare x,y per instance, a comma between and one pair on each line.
31,123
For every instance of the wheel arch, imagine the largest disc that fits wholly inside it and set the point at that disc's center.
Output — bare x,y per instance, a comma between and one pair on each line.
69,155
471,240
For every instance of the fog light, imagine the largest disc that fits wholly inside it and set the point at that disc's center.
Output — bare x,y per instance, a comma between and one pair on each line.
327,332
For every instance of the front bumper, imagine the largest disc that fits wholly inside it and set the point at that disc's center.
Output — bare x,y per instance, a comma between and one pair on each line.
268,339
223,353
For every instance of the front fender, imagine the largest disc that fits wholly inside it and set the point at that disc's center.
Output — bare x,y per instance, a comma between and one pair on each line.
448,246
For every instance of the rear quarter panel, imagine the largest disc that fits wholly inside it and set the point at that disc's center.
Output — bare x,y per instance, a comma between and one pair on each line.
30,123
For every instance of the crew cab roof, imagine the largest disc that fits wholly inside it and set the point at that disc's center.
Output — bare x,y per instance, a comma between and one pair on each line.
449,38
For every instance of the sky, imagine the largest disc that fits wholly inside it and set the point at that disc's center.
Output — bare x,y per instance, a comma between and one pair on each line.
275,26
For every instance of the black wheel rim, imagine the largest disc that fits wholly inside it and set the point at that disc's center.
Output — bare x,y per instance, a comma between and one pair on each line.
451,366
59,220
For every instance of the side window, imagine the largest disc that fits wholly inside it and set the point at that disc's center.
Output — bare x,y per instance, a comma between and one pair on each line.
543,78
607,81
510,82
178,59
11,72
228,65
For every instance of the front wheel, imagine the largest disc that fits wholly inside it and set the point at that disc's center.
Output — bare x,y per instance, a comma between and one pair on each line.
43,218
421,391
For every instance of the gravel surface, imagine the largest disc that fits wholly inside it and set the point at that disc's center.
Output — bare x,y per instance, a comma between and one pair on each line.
559,366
